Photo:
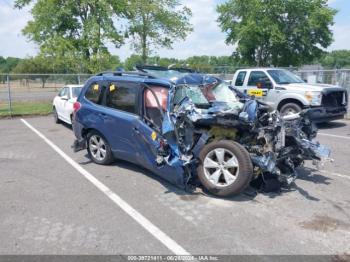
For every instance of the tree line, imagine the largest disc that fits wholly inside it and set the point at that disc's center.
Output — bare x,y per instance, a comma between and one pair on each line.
75,36
336,59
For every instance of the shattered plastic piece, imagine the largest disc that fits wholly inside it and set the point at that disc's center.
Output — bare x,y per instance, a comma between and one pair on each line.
266,162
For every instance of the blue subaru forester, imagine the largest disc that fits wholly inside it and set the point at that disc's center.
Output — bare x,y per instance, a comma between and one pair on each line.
191,129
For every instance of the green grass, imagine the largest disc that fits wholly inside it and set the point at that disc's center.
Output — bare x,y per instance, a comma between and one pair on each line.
26,108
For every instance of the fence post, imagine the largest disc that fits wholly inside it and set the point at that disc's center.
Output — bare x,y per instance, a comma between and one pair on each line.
337,77
9,94
78,79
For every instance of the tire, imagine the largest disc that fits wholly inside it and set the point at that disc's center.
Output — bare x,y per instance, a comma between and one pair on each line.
290,108
55,116
240,168
98,149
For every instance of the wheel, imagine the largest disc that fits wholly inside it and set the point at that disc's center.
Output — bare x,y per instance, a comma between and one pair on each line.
55,116
225,168
98,148
290,108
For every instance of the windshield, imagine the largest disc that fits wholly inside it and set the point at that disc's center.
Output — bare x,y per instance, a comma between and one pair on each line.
203,95
76,91
284,77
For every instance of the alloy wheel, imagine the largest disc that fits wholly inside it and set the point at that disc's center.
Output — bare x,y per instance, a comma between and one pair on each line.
221,167
97,147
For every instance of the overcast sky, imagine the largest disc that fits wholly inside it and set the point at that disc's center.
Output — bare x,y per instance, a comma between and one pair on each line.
206,39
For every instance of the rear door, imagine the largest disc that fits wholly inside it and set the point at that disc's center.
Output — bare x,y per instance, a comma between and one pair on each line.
120,116
68,106
61,103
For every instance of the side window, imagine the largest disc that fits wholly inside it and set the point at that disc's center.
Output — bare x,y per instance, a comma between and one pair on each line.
95,93
122,96
63,92
257,76
240,78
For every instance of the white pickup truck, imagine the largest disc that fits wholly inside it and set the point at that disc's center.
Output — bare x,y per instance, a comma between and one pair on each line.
286,92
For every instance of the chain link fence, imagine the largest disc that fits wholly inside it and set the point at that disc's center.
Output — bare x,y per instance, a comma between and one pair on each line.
22,94
33,93
339,77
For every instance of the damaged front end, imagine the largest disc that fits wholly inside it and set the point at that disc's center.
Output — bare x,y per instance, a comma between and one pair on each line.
277,145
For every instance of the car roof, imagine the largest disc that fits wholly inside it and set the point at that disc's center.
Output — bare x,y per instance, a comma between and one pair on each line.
261,68
142,77
74,86
135,78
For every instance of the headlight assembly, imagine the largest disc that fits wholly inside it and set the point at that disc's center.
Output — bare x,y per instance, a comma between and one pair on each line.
313,97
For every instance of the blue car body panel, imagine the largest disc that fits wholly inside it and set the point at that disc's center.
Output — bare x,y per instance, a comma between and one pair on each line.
129,137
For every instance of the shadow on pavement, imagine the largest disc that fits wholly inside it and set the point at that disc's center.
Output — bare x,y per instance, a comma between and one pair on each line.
311,175
330,125
305,174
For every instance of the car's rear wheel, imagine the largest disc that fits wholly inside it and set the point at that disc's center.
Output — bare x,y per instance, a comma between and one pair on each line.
290,108
225,168
55,116
99,149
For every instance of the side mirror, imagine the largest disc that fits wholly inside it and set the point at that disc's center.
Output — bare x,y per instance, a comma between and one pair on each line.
64,98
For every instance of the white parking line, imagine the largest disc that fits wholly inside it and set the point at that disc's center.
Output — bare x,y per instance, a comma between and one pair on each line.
343,137
334,174
138,217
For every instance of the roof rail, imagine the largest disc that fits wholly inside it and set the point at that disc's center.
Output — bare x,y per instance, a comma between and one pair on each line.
126,73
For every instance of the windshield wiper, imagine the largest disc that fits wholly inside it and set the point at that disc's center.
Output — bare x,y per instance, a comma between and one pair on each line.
284,83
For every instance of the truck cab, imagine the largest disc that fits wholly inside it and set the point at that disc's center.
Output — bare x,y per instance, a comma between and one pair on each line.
289,94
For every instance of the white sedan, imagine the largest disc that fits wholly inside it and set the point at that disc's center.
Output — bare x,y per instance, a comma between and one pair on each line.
63,103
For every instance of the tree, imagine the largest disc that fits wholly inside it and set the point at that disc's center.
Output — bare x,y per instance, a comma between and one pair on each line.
35,65
75,31
7,64
277,32
157,23
131,62
336,59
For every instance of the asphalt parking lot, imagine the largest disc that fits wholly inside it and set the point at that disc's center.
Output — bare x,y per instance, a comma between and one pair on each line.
48,206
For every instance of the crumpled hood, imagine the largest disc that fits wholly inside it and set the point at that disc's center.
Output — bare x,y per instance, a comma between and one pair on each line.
308,87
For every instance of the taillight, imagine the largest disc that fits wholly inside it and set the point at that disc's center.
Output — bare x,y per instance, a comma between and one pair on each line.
76,106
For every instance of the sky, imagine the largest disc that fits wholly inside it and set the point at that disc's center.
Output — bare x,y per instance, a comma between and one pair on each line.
206,39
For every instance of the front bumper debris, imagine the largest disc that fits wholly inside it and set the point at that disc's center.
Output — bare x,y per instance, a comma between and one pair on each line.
79,145
320,154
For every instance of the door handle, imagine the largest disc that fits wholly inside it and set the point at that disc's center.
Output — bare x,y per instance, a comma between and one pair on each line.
137,131
103,115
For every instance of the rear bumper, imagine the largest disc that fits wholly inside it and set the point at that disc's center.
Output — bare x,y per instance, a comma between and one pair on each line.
325,114
80,142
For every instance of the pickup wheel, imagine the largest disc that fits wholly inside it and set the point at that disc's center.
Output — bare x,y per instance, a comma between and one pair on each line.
290,108
225,168
99,149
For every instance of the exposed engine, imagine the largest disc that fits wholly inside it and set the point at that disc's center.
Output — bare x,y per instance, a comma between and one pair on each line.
277,145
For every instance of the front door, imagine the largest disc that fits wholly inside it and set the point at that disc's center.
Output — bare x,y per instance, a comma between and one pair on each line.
259,85
148,130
